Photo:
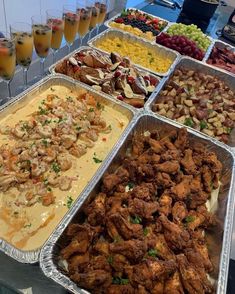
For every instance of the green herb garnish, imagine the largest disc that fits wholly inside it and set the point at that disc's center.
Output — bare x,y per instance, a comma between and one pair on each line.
203,125
91,109
110,259
120,281
69,201
42,111
99,106
53,90
45,142
78,128
46,122
189,219
130,185
96,160
136,220
69,98
152,252
189,122
119,45
229,130
151,60
146,231
28,225
55,166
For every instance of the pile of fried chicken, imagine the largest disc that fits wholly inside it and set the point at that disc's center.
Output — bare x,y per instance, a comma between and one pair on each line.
145,232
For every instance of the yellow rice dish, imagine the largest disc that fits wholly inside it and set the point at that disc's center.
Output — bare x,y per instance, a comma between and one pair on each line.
137,52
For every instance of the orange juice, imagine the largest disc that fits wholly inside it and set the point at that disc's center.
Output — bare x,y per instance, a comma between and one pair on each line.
42,39
57,26
94,17
84,23
71,22
24,48
103,10
7,59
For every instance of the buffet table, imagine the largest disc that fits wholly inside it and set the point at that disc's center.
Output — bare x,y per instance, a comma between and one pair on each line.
29,278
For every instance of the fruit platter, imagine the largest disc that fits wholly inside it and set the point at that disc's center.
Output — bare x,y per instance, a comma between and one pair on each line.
188,40
138,23
222,56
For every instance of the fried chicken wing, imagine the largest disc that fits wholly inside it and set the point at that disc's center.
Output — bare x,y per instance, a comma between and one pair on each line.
189,276
163,180
188,163
169,167
183,189
182,141
142,208
120,289
93,279
179,212
173,284
133,250
118,262
177,237
95,211
165,202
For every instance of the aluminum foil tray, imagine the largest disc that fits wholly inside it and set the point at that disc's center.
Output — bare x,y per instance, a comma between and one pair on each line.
49,261
53,66
108,22
110,33
192,64
221,45
9,108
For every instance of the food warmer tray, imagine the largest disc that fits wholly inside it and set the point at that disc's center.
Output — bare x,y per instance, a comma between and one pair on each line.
145,121
110,33
53,66
193,64
220,44
107,22
32,256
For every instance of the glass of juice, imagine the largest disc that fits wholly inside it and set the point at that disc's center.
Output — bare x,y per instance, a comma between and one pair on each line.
7,58
85,18
95,11
102,5
22,34
56,22
71,22
42,34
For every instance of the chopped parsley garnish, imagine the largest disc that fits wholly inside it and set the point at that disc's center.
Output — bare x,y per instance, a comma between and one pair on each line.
42,111
69,98
203,125
99,106
25,127
49,189
146,231
28,225
55,166
130,185
69,201
152,252
110,127
149,53
45,181
96,160
110,259
45,142
91,109
229,130
78,128
53,90
119,45
151,60
189,219
136,220
43,102
189,122
117,239
46,122
120,281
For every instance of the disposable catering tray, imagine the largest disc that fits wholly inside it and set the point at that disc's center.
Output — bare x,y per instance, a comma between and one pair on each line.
108,22
53,66
20,101
221,45
49,259
168,53
192,64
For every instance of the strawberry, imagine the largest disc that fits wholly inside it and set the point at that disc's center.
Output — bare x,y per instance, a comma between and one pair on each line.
119,20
